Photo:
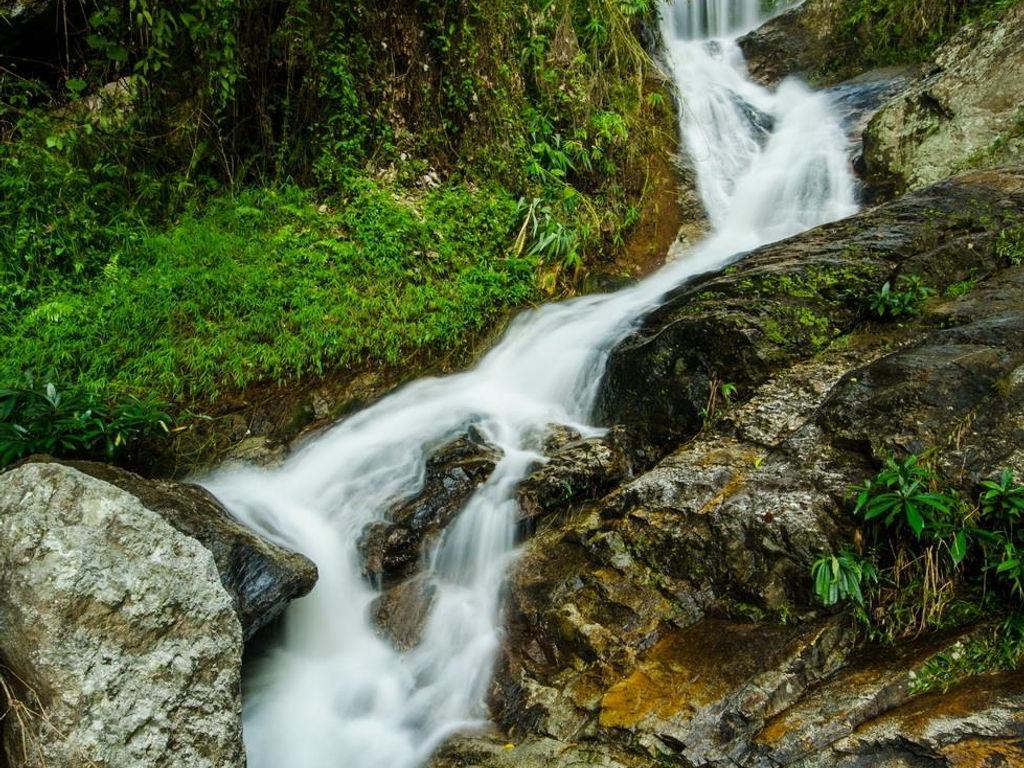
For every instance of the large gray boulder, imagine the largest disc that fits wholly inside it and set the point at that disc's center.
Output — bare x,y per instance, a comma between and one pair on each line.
261,576
118,640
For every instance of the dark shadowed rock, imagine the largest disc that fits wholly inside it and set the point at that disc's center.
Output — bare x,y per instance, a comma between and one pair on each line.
392,548
261,576
577,470
784,45
791,299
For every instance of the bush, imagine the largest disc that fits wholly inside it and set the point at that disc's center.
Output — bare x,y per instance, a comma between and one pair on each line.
902,301
961,561
73,423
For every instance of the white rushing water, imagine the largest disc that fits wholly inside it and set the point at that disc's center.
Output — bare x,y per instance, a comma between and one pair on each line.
334,695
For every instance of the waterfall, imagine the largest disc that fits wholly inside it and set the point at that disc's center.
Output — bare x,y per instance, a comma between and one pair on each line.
332,693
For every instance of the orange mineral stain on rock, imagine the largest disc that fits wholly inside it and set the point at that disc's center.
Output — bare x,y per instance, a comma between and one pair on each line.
984,753
689,669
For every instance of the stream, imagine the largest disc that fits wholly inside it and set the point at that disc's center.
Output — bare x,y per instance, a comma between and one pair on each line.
331,693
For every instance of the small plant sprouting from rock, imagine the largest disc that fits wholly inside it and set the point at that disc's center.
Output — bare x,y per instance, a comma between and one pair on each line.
720,397
996,648
843,576
1010,246
929,558
903,300
899,496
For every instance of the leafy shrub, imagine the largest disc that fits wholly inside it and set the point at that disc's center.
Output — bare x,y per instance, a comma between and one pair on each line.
902,301
899,496
1010,246
961,562
843,576
74,423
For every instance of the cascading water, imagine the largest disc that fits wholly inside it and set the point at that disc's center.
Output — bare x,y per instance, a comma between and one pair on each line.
334,694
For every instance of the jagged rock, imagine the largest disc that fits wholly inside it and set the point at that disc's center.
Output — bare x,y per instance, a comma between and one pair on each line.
401,613
577,470
647,624
784,45
115,630
495,752
391,549
262,577
966,112
791,299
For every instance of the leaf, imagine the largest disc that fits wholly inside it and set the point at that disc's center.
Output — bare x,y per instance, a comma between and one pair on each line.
958,549
914,520
76,85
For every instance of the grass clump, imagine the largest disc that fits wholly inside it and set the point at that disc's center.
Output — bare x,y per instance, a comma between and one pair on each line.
903,300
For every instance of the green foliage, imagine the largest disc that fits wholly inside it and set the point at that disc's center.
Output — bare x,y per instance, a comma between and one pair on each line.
902,301
995,649
843,576
961,562
544,236
899,497
212,195
74,423
899,31
269,286
720,399
1010,245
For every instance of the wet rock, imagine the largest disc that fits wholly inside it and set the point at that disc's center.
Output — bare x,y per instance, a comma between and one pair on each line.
116,632
262,577
493,751
391,549
966,112
978,723
673,619
786,301
785,45
400,614
258,450
577,470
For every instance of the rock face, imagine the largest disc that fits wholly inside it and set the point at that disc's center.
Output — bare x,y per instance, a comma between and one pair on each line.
791,299
261,576
783,46
671,622
577,470
967,112
117,635
392,549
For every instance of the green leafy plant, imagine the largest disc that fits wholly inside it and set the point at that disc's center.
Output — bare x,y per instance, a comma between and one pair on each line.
1003,497
1010,245
900,496
843,576
902,301
74,423
720,397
